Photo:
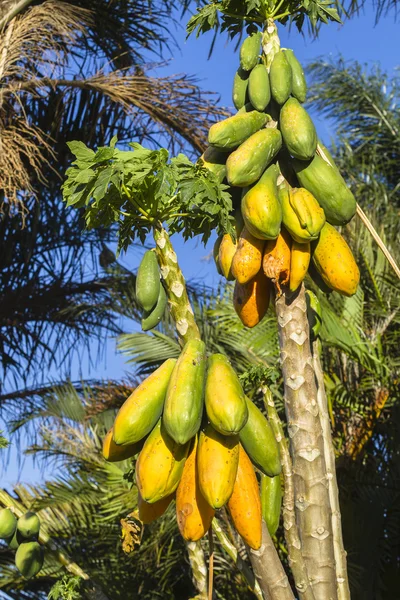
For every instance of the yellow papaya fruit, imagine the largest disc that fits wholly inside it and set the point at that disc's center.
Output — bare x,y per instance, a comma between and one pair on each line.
261,209
276,259
113,453
299,261
193,513
244,505
226,252
302,216
217,463
159,465
150,512
335,262
251,299
247,259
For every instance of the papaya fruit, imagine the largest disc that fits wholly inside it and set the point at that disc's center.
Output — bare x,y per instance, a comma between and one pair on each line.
183,407
224,397
247,163
280,78
258,87
240,86
28,526
317,279
152,318
226,252
247,259
244,505
217,463
271,502
233,131
298,130
151,512
250,51
301,214
324,153
299,261
335,262
276,259
216,246
328,187
8,523
193,513
114,453
148,281
141,411
251,299
29,559
314,313
14,541
159,465
214,161
259,441
299,86
261,209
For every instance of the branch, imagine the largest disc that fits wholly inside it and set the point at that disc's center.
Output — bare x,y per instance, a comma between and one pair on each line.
15,10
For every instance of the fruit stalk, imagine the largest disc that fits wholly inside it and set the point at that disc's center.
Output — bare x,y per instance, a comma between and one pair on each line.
270,42
199,568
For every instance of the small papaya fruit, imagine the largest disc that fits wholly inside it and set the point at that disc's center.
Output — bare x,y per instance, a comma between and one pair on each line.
298,130
214,161
14,541
217,463
151,512
29,559
271,501
299,86
226,252
261,209
152,318
299,261
247,259
28,526
258,87
8,523
216,246
301,214
233,131
141,411
114,453
280,78
239,91
276,259
314,313
148,281
250,51
251,299
193,513
244,505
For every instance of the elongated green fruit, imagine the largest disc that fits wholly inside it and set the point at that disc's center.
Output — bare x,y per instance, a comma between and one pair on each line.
247,163
152,318
141,411
28,526
259,88
29,559
299,85
148,281
259,441
224,397
230,133
298,130
280,78
250,51
271,501
215,161
239,90
261,209
183,406
8,523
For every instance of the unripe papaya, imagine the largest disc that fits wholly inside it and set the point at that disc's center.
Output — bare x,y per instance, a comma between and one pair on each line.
148,281
216,246
250,51
301,214
314,313
276,260
224,397
261,209
141,411
259,441
299,86
324,153
259,88
244,505
14,541
159,465
280,78
214,161
114,453
240,86
247,163
28,526
152,318
226,252
217,463
29,559
247,259
183,406
251,299
299,262
193,513
335,262
233,131
151,512
298,130
271,501
8,524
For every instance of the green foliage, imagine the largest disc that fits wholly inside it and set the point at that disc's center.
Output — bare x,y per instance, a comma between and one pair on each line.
67,588
3,441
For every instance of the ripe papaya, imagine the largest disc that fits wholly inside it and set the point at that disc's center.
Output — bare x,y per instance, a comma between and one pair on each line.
226,252
335,262
247,163
151,512
183,407
217,463
314,313
159,465
141,411
259,441
299,86
214,161
299,261
152,318
259,88
29,559
317,279
224,397
261,209
114,453
216,246
148,281
244,505
251,299
240,86
301,214
28,526
276,260
328,187
298,130
193,513
280,78
271,501
8,524
250,51
233,131
247,259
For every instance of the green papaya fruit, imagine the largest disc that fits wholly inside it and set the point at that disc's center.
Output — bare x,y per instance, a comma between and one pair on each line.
280,78
247,163
29,559
224,397
324,153
239,90
314,313
184,400
299,86
271,502
259,441
298,130
248,107
214,161
141,411
28,526
328,187
259,88
152,318
301,214
250,51
261,209
14,541
148,281
286,168
230,133
8,523
216,254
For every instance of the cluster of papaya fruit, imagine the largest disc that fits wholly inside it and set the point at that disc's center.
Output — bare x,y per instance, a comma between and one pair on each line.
198,436
291,192
150,293
22,535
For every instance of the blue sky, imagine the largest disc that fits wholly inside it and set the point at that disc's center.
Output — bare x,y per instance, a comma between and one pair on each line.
358,39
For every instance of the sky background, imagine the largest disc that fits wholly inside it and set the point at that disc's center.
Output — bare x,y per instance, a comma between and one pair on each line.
359,39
